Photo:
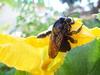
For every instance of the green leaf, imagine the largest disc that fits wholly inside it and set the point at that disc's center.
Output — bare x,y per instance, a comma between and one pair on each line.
21,73
98,16
83,60
4,70
10,72
1,65
92,23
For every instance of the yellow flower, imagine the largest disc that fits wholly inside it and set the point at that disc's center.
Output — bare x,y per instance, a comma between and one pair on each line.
31,54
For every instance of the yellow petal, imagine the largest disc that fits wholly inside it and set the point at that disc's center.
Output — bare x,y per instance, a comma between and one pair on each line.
56,62
26,54
95,31
6,39
83,37
41,42
19,54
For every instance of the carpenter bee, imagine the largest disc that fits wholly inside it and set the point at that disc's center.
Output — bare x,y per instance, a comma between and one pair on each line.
60,36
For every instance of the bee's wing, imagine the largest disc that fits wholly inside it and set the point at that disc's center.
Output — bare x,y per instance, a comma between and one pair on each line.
50,28
54,45
59,40
52,49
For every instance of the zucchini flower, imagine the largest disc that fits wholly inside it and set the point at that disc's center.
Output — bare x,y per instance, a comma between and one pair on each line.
31,54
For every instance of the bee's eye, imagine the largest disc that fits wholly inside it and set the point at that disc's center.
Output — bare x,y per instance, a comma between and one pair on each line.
69,20
61,19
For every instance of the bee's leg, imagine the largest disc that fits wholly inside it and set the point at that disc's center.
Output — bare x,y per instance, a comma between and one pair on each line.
45,33
72,22
72,40
75,32
42,35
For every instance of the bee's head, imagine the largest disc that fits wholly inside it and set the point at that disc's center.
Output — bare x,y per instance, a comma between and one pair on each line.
62,23
66,20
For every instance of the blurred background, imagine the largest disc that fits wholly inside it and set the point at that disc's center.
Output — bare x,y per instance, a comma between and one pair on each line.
23,18
29,17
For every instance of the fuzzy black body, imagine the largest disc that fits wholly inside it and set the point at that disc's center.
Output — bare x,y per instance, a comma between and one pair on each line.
60,36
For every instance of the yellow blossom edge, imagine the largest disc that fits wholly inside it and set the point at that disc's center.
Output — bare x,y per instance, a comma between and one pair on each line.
31,54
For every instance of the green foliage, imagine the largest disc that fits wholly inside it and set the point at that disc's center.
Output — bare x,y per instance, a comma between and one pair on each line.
4,70
75,14
83,60
98,16
9,2
92,23
41,2
21,73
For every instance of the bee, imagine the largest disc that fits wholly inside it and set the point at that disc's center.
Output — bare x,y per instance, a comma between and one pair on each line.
60,36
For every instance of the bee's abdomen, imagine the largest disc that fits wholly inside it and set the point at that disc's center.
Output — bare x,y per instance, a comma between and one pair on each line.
65,46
